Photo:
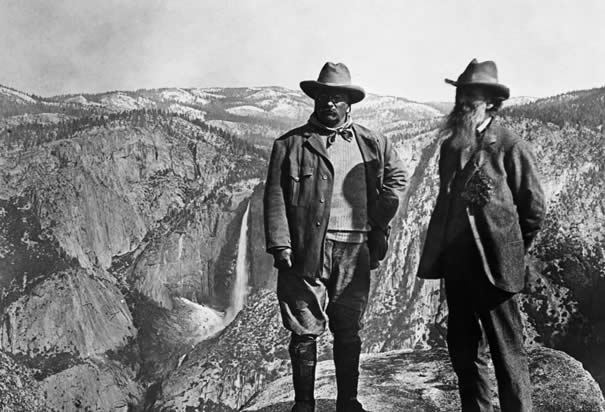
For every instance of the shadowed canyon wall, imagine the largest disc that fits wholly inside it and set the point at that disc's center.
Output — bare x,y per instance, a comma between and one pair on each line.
120,233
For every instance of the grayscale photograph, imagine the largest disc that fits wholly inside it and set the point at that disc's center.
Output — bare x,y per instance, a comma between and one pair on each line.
302,206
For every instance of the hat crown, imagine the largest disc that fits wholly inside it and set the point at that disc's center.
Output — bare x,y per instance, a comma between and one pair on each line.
475,72
333,77
334,73
484,74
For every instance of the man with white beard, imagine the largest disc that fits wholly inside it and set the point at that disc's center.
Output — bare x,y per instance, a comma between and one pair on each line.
489,209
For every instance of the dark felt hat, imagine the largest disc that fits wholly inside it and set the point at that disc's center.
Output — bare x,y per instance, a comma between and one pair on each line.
483,74
333,77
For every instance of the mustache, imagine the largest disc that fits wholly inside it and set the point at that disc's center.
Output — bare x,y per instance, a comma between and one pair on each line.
328,110
465,107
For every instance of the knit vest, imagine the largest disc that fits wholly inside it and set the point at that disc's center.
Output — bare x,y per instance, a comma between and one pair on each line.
349,211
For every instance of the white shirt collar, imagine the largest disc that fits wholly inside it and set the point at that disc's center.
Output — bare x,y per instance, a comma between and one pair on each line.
484,125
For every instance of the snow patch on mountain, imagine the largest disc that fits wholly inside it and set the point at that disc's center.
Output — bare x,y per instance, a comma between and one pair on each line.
245,110
187,111
519,100
183,96
206,94
285,108
273,93
122,101
20,97
242,129
396,103
79,99
264,94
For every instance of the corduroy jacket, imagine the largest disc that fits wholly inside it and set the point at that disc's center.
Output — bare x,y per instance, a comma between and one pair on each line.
299,187
503,227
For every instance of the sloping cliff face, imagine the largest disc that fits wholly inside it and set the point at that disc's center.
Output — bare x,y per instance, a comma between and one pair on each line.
567,268
223,373
53,318
566,262
118,240
405,312
121,228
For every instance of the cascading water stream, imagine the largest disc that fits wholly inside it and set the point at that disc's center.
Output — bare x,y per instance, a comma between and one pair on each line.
240,286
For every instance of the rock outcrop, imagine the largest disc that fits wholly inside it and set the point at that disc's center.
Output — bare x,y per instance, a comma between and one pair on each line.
117,248
93,385
119,234
408,313
423,381
70,312
226,371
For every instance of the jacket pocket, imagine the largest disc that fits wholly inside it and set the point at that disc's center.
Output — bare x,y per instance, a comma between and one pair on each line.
299,185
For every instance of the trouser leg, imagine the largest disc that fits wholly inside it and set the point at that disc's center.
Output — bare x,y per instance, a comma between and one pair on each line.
303,354
302,304
504,331
346,361
468,350
348,288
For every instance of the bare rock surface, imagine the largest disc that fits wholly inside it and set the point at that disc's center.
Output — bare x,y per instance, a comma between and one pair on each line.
109,205
226,371
70,312
93,385
423,381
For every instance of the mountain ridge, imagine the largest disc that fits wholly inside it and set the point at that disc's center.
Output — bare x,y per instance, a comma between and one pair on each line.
141,210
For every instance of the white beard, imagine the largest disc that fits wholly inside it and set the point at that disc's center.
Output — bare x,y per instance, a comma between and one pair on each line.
461,124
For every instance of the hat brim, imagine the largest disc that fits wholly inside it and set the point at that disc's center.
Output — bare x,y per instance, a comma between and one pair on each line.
500,89
312,87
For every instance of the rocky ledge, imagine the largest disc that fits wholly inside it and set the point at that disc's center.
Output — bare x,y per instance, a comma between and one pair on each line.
423,381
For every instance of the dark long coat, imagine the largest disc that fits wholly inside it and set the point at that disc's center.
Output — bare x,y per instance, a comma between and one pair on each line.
299,186
503,227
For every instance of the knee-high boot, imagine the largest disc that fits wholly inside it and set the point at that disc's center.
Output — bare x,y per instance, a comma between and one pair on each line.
346,362
303,353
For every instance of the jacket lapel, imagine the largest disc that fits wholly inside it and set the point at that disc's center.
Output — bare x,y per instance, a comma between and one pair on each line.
317,143
367,145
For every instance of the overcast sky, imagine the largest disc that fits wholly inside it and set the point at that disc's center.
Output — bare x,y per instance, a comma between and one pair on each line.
402,48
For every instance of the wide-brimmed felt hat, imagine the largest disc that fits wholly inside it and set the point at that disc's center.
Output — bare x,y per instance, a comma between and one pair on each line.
483,74
333,77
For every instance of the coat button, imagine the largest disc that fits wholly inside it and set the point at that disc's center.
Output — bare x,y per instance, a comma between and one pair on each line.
318,223
324,177
321,200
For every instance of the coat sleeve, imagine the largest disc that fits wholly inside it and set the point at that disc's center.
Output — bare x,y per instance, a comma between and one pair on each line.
277,233
528,195
394,182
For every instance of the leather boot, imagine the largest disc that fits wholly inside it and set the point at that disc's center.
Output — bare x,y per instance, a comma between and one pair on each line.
346,362
303,353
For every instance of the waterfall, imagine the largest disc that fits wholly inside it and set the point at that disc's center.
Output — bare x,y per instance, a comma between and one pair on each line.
240,286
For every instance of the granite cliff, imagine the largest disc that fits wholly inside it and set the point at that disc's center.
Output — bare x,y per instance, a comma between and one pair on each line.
405,313
117,248
121,217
